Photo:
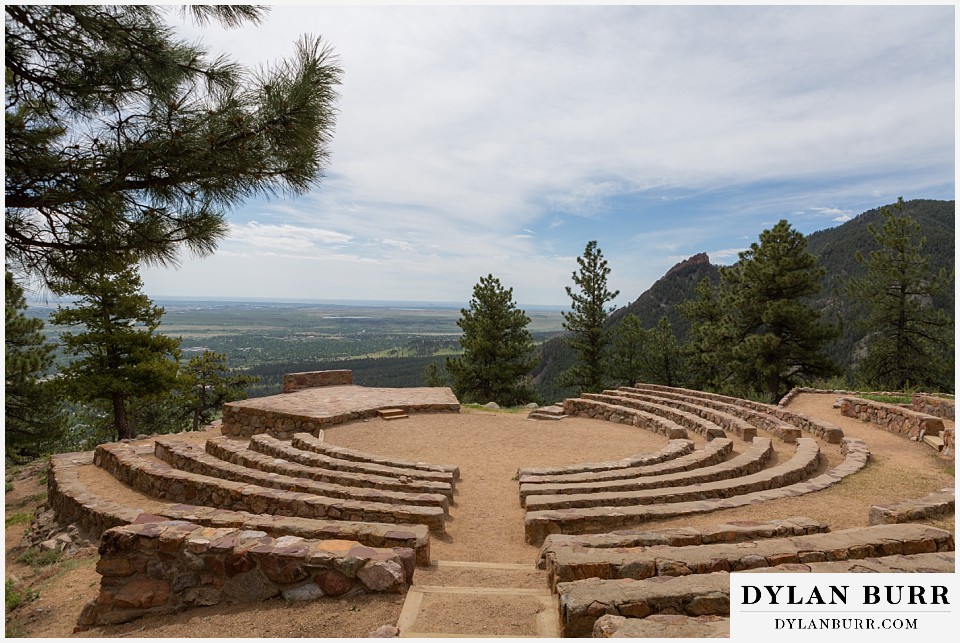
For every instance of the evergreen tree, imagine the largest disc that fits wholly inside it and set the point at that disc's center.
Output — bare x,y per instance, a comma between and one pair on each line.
663,361
497,348
585,321
910,342
628,351
779,338
32,419
708,351
207,384
119,137
120,356
435,375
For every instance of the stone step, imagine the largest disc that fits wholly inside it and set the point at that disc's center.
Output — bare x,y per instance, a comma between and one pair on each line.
662,626
392,414
535,415
934,441
554,410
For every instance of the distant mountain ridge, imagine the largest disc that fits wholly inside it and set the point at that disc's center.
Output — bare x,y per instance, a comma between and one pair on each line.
835,249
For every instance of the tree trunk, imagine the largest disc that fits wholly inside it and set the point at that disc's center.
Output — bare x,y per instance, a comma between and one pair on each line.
120,418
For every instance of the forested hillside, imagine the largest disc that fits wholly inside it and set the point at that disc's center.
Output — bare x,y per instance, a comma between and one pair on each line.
835,249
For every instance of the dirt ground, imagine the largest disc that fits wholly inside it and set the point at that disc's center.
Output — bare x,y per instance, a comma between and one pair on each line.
486,520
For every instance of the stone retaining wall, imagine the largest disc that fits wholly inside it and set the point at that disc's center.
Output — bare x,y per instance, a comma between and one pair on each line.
624,415
713,452
937,503
826,431
891,417
675,449
932,405
74,503
229,450
804,462
539,524
313,379
167,567
159,480
317,445
749,462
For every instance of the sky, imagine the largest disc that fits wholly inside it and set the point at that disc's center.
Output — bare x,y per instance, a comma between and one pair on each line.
475,140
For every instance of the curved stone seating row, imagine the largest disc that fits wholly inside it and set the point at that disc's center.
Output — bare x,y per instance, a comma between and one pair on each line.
826,431
160,480
623,415
539,524
306,442
231,451
582,602
733,532
187,457
800,466
74,503
168,567
662,626
934,405
343,453
674,450
937,503
727,421
569,564
687,420
749,462
712,453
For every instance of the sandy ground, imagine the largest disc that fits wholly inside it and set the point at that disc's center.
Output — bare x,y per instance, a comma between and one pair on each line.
486,520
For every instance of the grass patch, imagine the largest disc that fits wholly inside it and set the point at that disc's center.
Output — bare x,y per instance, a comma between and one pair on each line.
8,487
889,399
14,598
39,557
18,518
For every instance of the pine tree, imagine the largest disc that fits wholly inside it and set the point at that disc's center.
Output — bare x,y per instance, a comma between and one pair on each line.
32,419
709,348
628,351
119,137
207,384
910,342
663,361
779,339
120,355
497,348
585,321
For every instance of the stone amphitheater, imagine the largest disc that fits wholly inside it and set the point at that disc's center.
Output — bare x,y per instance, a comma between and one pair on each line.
324,491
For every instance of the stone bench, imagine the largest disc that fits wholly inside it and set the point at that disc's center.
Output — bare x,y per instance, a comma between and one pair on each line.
938,563
188,457
749,462
937,503
168,567
306,442
583,602
539,524
569,563
891,417
729,422
732,532
617,414
690,421
343,453
674,449
712,453
662,626
826,431
75,503
159,480
800,466
278,458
